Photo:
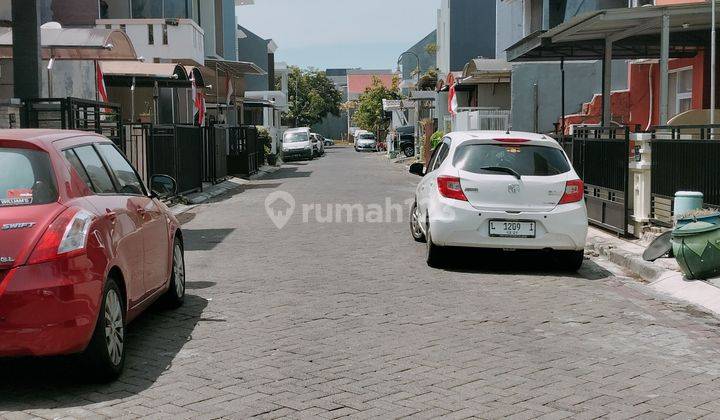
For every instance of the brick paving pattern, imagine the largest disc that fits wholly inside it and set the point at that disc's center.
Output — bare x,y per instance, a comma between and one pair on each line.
334,320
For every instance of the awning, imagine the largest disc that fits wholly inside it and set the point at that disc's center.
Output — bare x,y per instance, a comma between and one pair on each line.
234,68
76,44
122,73
196,73
480,70
257,103
634,32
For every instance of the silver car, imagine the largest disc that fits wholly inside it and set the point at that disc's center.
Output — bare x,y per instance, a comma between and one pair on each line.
366,141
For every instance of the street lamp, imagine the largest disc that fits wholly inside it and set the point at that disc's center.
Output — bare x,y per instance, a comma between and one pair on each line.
417,58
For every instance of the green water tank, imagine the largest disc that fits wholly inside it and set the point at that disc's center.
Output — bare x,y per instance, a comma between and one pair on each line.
697,249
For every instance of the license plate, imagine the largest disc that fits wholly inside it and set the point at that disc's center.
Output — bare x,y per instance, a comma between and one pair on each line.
512,229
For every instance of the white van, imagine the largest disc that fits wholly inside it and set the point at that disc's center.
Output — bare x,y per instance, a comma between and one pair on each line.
297,144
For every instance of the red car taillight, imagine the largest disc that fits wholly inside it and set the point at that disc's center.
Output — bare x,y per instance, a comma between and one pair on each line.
449,187
65,237
574,192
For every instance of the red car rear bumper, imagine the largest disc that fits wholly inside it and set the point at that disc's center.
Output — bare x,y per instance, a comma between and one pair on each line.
48,309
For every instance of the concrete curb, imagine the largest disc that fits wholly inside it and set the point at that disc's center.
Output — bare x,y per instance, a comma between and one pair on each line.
667,282
625,258
191,201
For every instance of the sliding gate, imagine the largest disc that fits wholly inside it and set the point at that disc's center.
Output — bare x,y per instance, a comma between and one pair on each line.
601,158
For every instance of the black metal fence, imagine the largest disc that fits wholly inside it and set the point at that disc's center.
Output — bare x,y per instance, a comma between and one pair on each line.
173,150
601,156
74,114
246,153
215,152
684,158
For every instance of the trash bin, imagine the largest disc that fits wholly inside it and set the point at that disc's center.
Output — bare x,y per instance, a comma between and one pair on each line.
687,201
697,249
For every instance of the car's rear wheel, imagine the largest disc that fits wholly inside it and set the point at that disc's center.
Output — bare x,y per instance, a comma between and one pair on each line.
105,355
409,151
435,255
175,295
415,228
572,260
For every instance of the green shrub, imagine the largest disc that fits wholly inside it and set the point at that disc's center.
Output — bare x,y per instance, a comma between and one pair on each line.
436,139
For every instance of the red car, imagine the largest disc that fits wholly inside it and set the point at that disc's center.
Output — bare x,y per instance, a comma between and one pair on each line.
84,247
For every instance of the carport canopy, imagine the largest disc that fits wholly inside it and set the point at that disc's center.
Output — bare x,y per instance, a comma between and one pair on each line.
670,31
125,73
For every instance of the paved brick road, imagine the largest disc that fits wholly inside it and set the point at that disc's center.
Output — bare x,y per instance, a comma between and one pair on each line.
329,320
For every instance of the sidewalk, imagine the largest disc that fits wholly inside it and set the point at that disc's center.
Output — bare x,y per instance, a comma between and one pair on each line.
662,275
188,202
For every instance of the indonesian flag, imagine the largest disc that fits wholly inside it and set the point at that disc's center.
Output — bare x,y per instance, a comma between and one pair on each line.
198,103
101,89
452,97
230,89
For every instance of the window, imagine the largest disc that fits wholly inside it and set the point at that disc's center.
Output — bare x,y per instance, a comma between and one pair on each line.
147,9
151,34
524,160
175,9
27,178
165,34
680,91
127,178
75,163
443,151
96,171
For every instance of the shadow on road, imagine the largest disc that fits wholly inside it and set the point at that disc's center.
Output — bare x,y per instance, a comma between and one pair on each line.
289,172
204,239
153,341
484,261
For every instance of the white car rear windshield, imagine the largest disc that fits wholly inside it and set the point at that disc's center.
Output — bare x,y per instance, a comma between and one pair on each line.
295,137
521,159
27,178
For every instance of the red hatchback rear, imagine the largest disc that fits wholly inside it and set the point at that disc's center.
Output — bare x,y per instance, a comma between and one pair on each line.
84,247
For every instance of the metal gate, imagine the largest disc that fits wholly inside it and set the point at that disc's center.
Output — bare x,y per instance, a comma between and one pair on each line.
74,114
684,158
243,157
601,158
215,151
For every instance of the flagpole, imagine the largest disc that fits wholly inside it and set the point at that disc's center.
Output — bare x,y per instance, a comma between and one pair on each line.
712,64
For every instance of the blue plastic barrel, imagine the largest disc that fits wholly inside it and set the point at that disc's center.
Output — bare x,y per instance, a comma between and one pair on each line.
687,201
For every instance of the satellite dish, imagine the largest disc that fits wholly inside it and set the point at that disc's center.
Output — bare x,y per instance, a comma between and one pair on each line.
659,248
51,25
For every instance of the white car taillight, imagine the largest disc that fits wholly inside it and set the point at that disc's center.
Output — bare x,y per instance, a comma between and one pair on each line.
66,236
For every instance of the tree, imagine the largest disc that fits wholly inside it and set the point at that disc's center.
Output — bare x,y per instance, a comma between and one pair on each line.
312,97
369,114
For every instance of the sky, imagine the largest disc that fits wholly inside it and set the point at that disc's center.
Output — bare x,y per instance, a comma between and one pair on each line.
341,33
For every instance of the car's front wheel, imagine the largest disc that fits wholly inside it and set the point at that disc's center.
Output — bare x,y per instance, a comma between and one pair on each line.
415,228
409,151
435,256
175,295
105,355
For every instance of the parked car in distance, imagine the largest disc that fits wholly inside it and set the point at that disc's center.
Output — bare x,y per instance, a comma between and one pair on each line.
328,142
504,190
406,139
84,248
366,141
318,144
297,144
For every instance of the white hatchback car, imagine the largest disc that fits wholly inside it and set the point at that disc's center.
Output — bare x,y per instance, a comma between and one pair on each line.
504,190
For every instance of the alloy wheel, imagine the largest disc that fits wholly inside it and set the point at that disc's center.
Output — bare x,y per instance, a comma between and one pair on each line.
114,328
179,271
417,232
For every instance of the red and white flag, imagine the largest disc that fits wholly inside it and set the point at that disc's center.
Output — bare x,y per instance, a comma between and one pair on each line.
230,89
198,103
101,89
452,96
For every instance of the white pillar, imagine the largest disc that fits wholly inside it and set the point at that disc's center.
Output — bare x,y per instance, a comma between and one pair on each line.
664,59
640,179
